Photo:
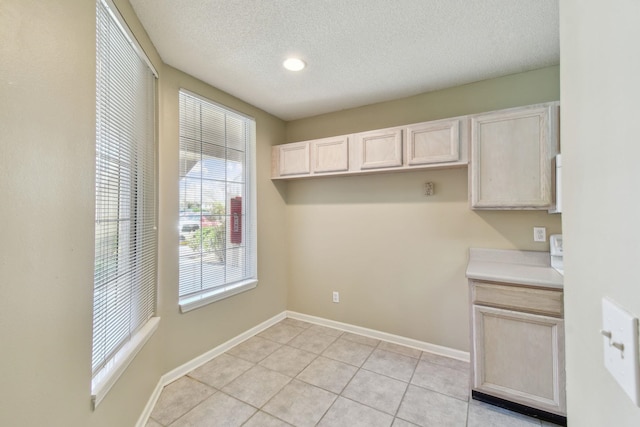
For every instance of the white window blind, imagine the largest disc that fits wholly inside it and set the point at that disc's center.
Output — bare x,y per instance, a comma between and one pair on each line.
125,218
217,202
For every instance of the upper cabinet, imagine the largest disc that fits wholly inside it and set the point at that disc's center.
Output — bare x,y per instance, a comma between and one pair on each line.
511,157
291,159
380,148
437,144
433,142
330,154
510,153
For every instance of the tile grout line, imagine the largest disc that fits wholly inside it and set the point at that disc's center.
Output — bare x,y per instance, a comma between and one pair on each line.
321,330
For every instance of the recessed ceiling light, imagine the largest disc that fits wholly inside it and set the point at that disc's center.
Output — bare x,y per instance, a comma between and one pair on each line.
294,64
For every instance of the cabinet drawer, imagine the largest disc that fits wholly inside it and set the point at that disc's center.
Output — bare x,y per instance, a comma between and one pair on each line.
532,300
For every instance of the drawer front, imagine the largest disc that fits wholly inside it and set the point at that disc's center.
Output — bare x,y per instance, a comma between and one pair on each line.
532,300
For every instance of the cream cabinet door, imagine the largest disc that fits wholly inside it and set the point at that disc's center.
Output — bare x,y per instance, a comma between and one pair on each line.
511,156
519,357
293,159
380,148
330,154
433,142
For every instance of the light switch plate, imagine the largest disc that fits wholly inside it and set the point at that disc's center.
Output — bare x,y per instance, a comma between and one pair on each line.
620,341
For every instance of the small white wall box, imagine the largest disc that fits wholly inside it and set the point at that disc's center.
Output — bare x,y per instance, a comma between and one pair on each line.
620,340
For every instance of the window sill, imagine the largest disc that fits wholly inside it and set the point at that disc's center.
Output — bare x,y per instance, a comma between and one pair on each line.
191,303
109,374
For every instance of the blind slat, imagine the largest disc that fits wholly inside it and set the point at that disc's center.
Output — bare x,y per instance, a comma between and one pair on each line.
216,233
125,237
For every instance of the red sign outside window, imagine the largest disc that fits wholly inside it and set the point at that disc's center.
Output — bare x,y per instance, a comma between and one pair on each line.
235,226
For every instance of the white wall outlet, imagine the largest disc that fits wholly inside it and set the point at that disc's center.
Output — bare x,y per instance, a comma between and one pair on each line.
429,189
620,341
336,296
539,234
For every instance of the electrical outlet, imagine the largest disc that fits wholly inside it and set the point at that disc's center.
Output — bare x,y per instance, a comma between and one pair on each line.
429,189
336,296
539,234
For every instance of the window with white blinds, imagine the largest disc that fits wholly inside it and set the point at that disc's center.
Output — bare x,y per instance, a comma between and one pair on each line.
124,292
217,202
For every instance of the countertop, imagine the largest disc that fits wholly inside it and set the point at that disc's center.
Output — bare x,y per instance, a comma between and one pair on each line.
528,268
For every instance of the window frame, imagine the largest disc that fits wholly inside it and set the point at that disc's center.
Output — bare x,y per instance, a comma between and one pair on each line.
139,197
207,296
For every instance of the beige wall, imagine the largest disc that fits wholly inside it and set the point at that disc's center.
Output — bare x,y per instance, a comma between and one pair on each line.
47,157
186,336
396,257
600,128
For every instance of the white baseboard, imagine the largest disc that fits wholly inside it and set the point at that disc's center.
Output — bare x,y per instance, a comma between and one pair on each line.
384,336
182,370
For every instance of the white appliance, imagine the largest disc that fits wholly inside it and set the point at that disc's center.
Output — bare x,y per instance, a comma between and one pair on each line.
556,252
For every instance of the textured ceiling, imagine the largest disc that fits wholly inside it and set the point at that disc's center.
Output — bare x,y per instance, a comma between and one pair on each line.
358,51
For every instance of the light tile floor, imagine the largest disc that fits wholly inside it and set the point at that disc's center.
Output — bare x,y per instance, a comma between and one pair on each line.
299,374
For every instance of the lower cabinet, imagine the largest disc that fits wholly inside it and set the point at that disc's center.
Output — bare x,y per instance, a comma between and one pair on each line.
518,345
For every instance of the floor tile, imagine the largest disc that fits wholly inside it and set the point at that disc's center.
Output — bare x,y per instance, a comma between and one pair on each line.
178,398
347,351
449,362
401,349
450,381
312,341
347,413
262,419
360,339
296,322
402,423
483,414
376,391
328,374
254,349
391,364
281,332
300,404
428,408
218,410
326,330
257,385
295,371
288,360
221,370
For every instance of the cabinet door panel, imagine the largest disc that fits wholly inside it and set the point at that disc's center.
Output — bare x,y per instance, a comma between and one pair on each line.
511,154
519,357
433,142
294,159
330,155
380,149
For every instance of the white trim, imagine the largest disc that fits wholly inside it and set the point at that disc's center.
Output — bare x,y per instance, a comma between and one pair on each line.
198,361
184,369
384,336
109,374
191,303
